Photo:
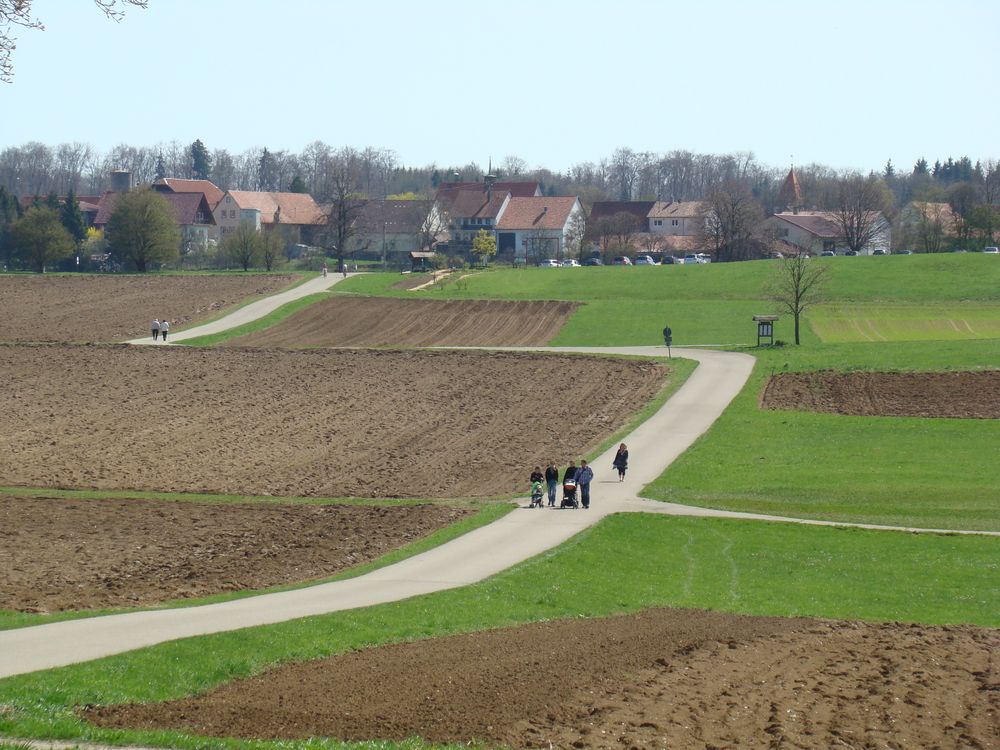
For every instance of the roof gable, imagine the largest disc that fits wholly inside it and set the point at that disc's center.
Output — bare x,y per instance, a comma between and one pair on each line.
604,209
537,212
213,194
678,210
279,208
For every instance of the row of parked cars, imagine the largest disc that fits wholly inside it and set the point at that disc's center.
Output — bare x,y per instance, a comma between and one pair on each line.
624,260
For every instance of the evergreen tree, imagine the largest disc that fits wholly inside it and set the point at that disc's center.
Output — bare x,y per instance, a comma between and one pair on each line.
52,201
298,185
920,168
201,161
889,171
161,168
265,170
72,218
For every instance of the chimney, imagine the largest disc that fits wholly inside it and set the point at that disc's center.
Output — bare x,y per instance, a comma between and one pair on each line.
121,181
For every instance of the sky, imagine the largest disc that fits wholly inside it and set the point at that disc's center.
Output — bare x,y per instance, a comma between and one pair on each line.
843,83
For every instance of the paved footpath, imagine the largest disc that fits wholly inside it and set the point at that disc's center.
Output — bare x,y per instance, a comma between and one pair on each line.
520,535
251,312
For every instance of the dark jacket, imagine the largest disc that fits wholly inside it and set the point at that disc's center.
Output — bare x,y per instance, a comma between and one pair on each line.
621,460
570,473
536,476
551,474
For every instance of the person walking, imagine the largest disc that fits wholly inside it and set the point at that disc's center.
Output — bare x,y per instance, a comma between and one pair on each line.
156,329
551,480
164,328
324,270
621,461
569,478
584,476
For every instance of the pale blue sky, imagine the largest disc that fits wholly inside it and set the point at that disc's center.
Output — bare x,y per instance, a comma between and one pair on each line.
847,84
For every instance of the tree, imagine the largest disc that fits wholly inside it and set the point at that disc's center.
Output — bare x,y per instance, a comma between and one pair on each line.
18,13
243,247
161,168
297,185
576,233
142,230
731,220
72,218
797,284
272,246
860,204
201,161
344,207
39,238
484,245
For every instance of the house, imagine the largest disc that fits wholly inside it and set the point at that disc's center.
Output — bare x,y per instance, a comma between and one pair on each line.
609,210
213,194
393,228
191,211
466,210
88,205
293,213
815,232
537,227
679,218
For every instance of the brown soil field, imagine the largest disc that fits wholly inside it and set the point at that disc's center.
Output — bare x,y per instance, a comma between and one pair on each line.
658,679
60,554
968,395
371,321
90,308
324,422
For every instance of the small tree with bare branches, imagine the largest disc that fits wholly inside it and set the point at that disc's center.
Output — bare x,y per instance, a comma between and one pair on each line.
797,284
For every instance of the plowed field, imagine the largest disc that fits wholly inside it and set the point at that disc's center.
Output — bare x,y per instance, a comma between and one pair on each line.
370,321
313,422
58,554
86,308
658,679
971,395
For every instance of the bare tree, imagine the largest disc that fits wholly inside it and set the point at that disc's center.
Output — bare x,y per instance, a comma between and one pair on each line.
18,13
732,217
513,166
797,284
858,213
344,206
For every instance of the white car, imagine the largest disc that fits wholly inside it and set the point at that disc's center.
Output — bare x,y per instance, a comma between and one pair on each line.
570,263
644,260
549,263
696,258
992,250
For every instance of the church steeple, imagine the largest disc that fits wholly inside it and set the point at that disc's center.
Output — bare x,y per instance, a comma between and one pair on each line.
790,196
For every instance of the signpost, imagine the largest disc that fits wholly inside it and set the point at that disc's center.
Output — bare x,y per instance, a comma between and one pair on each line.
765,327
668,339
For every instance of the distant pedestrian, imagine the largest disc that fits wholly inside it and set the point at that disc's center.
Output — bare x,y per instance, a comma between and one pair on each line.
324,270
343,269
551,481
584,476
621,461
164,328
156,329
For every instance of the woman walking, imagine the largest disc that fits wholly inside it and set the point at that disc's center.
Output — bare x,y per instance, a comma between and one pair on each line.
621,461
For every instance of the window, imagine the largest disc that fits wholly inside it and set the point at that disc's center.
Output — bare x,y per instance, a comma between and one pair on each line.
229,199
674,222
657,222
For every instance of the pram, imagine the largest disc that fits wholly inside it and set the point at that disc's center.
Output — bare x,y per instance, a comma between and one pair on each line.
536,495
569,494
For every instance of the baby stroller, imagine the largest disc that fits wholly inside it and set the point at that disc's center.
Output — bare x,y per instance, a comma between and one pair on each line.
569,494
536,495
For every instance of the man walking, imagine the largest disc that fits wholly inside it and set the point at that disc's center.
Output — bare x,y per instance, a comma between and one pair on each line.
156,329
551,480
164,328
584,476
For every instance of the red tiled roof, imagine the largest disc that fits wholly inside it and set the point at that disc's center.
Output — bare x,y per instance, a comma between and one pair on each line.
791,192
677,210
472,204
400,217
184,205
212,193
287,208
818,223
639,209
539,212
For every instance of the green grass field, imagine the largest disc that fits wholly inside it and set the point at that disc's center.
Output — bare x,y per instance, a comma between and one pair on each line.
737,566
955,321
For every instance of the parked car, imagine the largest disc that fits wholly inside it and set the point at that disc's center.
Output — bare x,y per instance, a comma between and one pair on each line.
621,260
828,254
570,263
903,252
992,250
644,260
880,251
959,250
593,262
669,260
852,253
549,263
